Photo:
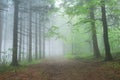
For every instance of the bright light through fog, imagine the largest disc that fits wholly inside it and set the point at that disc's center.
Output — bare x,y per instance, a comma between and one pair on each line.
58,3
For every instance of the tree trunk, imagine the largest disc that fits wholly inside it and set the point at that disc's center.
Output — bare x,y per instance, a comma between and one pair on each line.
43,41
20,42
30,34
49,48
40,56
0,34
24,37
108,55
15,35
94,36
36,41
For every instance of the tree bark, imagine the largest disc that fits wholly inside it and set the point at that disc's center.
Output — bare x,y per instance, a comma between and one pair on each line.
20,42
36,40
0,34
43,41
94,36
40,56
30,34
15,35
108,55
24,38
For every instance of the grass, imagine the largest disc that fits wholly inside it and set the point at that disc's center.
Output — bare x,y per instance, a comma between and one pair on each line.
26,63
87,57
23,65
7,68
78,56
115,64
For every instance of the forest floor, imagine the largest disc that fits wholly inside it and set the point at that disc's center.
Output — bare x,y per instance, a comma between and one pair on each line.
66,69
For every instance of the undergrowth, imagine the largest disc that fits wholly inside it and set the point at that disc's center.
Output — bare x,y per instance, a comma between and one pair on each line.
22,66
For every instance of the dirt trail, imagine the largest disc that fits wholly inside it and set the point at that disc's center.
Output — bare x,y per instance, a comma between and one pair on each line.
63,69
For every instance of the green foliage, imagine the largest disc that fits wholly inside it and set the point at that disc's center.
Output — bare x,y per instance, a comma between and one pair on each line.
79,56
113,65
79,11
76,10
51,1
4,68
70,56
7,68
54,32
25,63
116,11
22,66
114,37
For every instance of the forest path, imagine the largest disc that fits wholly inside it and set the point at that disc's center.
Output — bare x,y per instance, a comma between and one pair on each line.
63,69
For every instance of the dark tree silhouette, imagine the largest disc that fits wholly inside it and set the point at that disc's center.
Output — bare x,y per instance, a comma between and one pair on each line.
94,34
108,55
30,33
0,33
15,35
36,37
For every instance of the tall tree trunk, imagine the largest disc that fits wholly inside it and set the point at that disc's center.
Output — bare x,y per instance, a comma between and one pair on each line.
23,45
43,41
15,34
49,48
72,44
40,56
20,42
24,37
23,40
28,45
30,34
94,36
0,34
36,40
108,55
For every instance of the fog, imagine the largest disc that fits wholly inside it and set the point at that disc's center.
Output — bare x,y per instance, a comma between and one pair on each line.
54,46
59,39
48,28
